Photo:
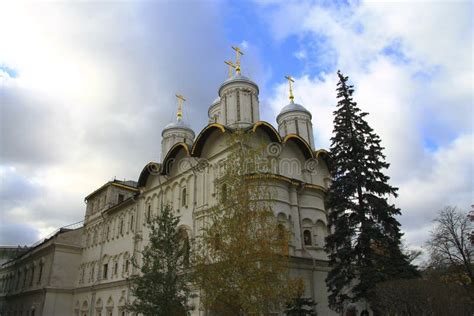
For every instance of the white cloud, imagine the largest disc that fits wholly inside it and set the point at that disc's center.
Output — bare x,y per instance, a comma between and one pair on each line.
419,93
95,86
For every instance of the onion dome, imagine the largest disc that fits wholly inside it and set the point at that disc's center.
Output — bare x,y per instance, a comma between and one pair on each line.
176,132
293,107
179,124
295,119
237,78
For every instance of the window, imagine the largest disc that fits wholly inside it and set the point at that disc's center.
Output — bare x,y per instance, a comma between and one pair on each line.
224,192
40,272
131,223
281,231
307,237
127,263
104,272
183,197
121,227
32,275
184,244
121,198
94,238
81,280
24,277
148,213
217,241
116,268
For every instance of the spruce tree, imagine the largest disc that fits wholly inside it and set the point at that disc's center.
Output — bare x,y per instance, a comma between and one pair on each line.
364,244
162,287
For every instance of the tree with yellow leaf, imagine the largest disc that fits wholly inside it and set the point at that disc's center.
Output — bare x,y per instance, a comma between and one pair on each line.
241,262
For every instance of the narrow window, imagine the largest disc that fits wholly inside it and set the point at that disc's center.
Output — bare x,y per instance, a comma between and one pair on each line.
116,268
148,213
121,227
183,197
40,272
24,277
127,263
224,192
217,241
32,275
307,237
281,231
104,272
120,198
131,223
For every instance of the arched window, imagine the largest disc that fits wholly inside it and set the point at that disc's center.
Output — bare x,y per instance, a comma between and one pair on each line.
32,275
216,242
224,192
148,213
307,237
321,233
184,244
121,226
183,197
40,274
281,231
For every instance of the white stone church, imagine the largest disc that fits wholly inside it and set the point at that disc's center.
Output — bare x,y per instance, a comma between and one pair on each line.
83,271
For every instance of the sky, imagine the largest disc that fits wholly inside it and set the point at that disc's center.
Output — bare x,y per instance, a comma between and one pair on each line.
87,87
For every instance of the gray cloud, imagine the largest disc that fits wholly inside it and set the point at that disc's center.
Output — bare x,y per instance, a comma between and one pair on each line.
129,60
17,234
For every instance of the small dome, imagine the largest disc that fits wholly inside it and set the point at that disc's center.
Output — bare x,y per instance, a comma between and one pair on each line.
178,124
293,107
216,100
237,78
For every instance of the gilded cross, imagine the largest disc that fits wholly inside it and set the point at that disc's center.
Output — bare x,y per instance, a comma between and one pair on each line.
238,53
231,66
290,84
181,99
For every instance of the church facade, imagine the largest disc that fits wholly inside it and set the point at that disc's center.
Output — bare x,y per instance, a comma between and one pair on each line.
187,178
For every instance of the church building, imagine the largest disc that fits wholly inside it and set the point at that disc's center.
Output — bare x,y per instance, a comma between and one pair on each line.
83,271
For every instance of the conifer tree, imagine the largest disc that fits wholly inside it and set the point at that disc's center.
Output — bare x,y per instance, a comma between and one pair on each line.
162,287
364,244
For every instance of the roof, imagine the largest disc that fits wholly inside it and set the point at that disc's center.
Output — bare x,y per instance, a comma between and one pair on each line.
41,242
126,184
293,107
179,124
237,78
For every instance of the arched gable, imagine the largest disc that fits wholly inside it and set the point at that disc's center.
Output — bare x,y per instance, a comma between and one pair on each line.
301,143
268,129
172,153
203,136
321,153
150,168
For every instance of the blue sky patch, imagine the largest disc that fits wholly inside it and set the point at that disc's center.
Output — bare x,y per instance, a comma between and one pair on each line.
13,73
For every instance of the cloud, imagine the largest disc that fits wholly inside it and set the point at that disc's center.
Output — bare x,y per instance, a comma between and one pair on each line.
412,73
17,234
94,85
